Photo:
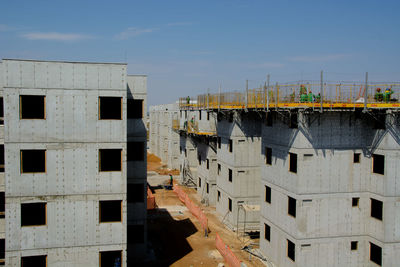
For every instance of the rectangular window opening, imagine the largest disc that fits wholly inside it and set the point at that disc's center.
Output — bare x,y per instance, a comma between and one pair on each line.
230,145
135,151
230,204
110,108
376,209
33,214
356,157
208,164
230,175
200,115
110,258
110,211
2,204
218,195
33,161
292,206
34,261
110,160
219,168
207,188
293,162
135,193
208,116
354,245
135,108
2,158
355,201
135,234
378,164
267,232
199,182
32,107
219,142
290,250
375,253
268,194
268,155
1,111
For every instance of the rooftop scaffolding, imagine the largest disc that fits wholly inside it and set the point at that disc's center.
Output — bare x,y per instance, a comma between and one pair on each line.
315,95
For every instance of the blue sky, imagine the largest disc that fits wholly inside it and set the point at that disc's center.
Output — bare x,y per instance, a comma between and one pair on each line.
186,47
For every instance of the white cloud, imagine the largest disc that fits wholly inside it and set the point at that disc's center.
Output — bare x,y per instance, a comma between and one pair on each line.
179,23
55,36
133,32
316,58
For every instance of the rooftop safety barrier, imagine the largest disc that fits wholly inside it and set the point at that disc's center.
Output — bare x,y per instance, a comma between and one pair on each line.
299,95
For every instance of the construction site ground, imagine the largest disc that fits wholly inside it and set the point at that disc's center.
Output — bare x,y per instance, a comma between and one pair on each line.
175,236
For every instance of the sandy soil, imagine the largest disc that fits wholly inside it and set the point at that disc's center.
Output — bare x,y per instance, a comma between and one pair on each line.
177,238
154,164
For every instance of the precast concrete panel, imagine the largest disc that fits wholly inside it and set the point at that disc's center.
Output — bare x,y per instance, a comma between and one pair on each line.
71,169
68,218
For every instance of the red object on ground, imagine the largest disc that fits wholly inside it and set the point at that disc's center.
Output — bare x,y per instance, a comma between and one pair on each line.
193,208
151,200
226,252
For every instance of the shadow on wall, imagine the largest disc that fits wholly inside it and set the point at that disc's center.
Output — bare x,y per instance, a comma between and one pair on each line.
364,131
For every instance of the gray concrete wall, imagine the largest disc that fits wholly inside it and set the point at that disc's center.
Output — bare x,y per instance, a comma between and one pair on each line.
326,181
72,135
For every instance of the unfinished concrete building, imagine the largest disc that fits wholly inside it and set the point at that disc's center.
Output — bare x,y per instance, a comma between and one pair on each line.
163,140
76,171
319,173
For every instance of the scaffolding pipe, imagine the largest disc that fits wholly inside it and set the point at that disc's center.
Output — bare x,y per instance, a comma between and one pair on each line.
247,94
219,97
366,92
322,90
276,95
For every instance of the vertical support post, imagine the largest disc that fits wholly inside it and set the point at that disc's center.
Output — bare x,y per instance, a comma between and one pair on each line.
268,92
366,92
321,92
219,97
247,94
276,95
208,99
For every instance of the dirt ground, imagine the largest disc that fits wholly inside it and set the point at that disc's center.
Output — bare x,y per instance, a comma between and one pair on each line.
154,164
176,236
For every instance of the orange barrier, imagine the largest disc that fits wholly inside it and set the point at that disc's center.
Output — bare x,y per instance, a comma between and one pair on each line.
151,200
193,208
226,252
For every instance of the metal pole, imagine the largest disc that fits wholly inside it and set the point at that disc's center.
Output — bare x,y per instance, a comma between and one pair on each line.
322,90
276,95
268,92
219,97
366,92
208,99
247,93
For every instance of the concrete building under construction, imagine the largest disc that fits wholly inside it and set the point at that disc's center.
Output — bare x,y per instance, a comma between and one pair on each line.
75,177
316,174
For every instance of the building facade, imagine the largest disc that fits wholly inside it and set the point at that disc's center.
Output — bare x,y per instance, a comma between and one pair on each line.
70,146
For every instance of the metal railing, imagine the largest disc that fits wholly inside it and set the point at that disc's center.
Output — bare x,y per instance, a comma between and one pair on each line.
385,95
